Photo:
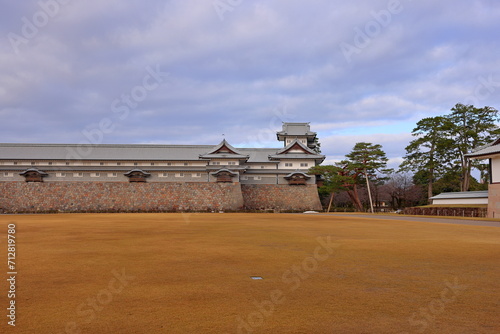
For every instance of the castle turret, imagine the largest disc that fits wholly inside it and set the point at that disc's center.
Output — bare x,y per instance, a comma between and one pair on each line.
300,131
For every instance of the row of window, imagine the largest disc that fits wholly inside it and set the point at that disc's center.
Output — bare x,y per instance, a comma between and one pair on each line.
50,163
302,164
230,163
194,175
303,141
6,174
252,177
224,163
180,174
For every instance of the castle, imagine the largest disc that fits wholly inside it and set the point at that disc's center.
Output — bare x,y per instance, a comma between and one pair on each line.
123,178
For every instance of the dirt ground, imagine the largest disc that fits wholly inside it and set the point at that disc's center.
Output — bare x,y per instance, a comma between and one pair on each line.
191,273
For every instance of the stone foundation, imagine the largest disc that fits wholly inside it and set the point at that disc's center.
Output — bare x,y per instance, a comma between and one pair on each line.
46,197
118,197
281,197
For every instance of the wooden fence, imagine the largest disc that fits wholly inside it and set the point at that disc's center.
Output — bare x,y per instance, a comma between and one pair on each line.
448,212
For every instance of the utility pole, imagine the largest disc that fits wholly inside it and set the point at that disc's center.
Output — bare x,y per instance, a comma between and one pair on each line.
369,192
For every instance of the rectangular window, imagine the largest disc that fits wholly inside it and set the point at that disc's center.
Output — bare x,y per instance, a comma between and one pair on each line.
33,163
152,164
112,174
101,163
95,174
15,162
135,163
231,163
186,164
8,174
169,164
261,167
67,164
215,162
50,163
163,175
288,164
179,174
77,174
118,163
196,174
304,164
257,178
60,174
244,178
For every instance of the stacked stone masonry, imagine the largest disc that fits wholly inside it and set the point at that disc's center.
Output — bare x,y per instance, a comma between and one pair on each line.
24,197
281,197
447,211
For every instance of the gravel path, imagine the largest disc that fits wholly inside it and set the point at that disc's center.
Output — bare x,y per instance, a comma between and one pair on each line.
419,219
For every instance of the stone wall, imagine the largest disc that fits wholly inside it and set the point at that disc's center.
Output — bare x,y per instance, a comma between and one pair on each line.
24,197
118,197
446,211
280,196
494,200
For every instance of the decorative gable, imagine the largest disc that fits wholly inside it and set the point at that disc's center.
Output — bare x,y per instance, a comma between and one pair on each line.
33,175
224,175
297,150
224,150
296,147
297,178
137,175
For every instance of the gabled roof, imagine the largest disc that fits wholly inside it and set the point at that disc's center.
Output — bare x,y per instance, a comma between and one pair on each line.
33,170
297,145
485,151
135,171
297,172
224,170
224,150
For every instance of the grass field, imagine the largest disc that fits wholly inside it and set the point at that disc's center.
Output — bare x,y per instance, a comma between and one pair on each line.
191,273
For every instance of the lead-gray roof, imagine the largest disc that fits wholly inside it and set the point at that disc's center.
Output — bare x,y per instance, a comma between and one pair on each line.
296,129
235,153
122,152
462,194
484,151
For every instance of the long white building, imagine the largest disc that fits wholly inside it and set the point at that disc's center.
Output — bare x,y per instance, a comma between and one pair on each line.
166,163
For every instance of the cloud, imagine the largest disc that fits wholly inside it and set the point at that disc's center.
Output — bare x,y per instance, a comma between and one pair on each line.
237,75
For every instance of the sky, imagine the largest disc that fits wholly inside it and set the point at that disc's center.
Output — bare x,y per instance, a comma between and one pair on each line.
195,72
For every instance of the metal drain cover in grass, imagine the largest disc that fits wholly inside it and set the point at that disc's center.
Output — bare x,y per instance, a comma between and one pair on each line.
256,277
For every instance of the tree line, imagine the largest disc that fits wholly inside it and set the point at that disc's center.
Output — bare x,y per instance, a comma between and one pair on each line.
435,161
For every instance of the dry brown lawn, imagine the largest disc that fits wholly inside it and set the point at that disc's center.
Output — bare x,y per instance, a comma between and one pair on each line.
190,273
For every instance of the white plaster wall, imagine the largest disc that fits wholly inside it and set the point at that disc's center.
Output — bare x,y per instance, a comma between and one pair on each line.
461,201
259,166
495,169
296,164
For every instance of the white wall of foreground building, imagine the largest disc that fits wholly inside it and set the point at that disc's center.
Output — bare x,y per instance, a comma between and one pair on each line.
457,201
495,170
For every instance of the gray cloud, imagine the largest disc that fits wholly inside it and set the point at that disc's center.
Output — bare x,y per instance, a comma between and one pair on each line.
263,63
